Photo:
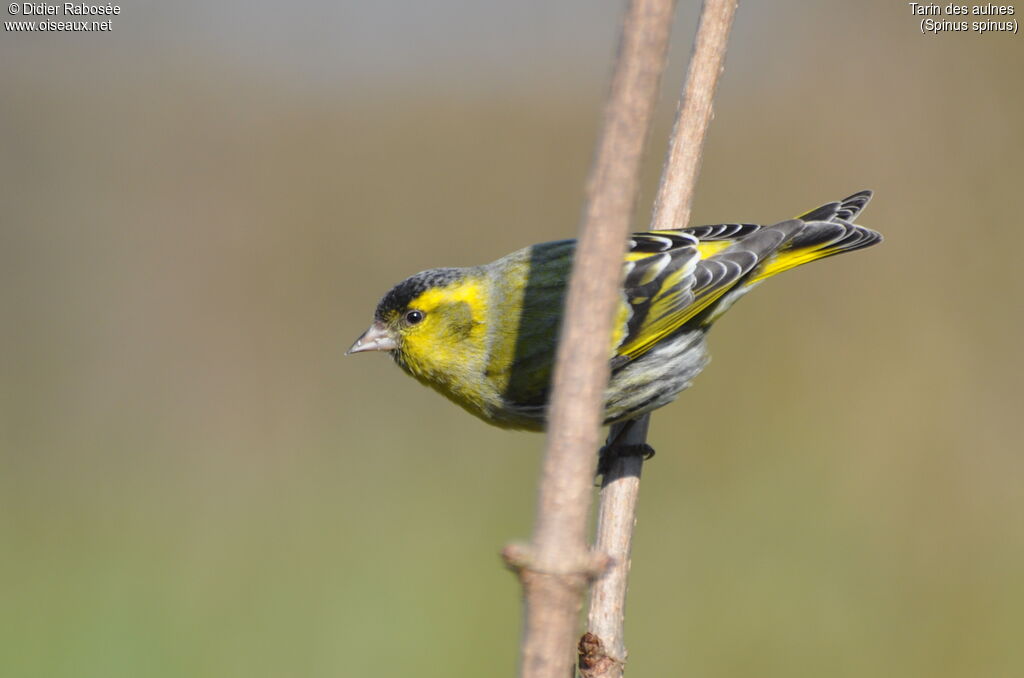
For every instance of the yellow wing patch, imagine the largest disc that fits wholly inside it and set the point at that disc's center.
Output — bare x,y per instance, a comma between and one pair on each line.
709,248
783,261
668,311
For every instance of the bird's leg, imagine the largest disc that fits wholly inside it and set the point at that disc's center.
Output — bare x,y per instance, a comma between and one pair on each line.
625,439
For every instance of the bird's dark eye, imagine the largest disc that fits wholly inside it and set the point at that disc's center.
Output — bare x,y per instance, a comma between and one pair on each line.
414,317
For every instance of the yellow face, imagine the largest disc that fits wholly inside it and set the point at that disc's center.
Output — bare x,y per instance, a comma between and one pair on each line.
441,330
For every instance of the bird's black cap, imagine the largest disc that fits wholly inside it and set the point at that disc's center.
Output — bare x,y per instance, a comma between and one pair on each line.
397,300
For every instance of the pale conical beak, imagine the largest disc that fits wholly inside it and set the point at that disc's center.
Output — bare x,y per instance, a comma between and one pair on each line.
377,338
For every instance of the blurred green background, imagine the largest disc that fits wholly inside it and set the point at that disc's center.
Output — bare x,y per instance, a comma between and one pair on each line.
202,207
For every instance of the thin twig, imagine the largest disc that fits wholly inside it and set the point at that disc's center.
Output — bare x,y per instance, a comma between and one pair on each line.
616,518
556,568
605,653
682,164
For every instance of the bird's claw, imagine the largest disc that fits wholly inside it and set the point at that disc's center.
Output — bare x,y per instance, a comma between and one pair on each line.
609,453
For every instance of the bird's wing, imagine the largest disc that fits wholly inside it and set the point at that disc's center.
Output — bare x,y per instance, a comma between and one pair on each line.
672,277
716,237
658,287
676,275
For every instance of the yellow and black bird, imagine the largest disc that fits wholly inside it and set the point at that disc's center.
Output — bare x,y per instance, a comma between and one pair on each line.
485,336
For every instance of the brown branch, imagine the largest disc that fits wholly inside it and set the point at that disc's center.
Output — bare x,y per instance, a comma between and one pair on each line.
557,565
682,165
616,518
602,649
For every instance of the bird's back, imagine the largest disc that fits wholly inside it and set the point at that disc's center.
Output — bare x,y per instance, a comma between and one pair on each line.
676,284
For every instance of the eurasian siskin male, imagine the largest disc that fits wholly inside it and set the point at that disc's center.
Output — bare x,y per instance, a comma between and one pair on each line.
485,336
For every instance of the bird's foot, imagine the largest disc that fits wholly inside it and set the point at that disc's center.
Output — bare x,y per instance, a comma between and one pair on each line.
609,453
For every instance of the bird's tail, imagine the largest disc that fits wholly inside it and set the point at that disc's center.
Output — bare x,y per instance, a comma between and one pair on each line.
827,231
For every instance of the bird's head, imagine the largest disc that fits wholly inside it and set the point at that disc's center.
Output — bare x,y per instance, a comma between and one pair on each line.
429,322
